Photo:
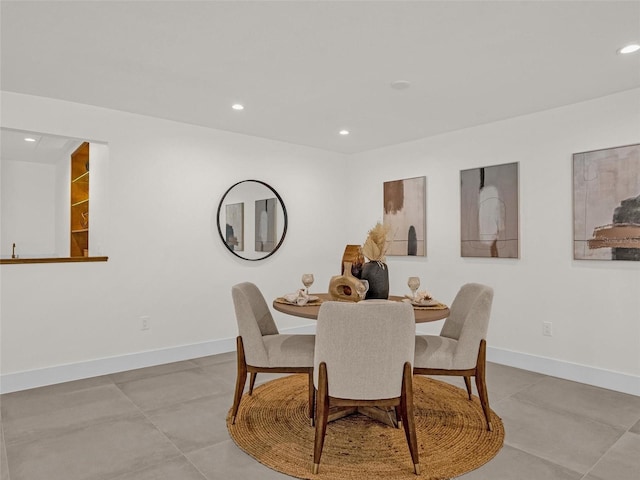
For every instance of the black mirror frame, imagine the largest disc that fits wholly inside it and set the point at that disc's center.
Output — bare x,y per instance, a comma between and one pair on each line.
284,211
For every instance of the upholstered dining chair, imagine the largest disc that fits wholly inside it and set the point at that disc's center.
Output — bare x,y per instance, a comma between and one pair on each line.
262,348
363,358
460,349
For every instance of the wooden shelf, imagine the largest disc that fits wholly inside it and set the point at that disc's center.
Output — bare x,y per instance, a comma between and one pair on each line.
81,202
80,230
84,177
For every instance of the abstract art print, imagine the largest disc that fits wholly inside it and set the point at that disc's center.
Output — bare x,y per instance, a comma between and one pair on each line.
405,215
235,226
606,204
489,211
266,224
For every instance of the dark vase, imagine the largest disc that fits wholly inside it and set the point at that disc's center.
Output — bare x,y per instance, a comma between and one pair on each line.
377,274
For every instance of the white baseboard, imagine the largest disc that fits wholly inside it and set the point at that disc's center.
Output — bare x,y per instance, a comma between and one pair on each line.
13,382
620,382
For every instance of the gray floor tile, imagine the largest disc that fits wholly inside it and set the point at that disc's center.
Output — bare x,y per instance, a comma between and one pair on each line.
622,410
226,461
504,381
565,439
511,463
44,414
95,452
175,469
215,359
140,373
4,467
172,388
93,429
195,424
622,462
225,372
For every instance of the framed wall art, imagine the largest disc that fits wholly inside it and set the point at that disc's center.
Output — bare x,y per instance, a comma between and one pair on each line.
489,225
405,206
606,204
234,219
266,225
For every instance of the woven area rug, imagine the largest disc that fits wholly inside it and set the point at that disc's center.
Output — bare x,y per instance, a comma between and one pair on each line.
272,426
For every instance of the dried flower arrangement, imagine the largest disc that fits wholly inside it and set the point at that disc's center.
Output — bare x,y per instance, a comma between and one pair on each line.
376,244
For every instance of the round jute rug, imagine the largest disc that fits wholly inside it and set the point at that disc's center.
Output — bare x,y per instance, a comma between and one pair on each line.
273,427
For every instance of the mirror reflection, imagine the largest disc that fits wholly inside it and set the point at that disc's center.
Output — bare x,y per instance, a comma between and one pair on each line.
52,196
252,220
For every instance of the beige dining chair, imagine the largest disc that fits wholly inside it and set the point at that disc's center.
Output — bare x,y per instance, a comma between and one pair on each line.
460,349
262,348
363,358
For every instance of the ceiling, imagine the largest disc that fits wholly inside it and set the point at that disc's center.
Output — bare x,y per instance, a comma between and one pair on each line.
306,69
49,149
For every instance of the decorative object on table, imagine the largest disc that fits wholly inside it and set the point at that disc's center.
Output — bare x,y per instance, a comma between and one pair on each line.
489,211
454,439
265,221
423,298
375,271
307,280
606,204
234,221
300,298
405,207
353,254
346,287
413,283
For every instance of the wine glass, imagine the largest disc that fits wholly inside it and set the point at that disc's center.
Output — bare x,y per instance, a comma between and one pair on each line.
413,283
307,280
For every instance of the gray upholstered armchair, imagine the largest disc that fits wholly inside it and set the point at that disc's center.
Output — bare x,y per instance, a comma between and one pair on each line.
460,349
363,358
261,347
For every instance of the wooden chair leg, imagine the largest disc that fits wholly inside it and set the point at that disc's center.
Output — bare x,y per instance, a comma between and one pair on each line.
481,383
252,382
398,411
312,398
241,379
322,415
467,383
408,420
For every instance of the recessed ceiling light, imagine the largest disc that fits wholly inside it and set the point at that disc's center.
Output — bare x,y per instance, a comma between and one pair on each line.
632,47
344,132
29,139
400,84
237,106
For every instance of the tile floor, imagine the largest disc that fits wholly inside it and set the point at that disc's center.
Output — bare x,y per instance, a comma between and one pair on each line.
168,423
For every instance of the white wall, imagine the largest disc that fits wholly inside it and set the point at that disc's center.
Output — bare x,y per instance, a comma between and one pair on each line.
167,261
28,200
594,305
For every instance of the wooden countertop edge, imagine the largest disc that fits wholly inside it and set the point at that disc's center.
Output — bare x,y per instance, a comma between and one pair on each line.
12,261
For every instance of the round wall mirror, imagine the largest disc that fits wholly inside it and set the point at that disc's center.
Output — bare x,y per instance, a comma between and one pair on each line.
252,220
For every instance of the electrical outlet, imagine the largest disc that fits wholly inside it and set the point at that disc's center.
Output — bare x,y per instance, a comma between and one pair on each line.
145,322
547,329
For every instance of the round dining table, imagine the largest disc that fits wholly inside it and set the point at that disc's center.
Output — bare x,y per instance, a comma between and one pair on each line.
422,314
